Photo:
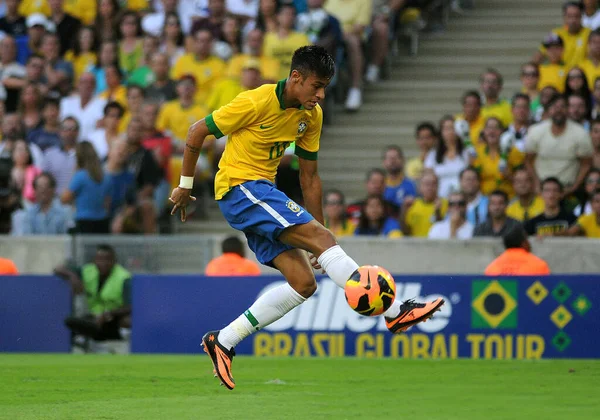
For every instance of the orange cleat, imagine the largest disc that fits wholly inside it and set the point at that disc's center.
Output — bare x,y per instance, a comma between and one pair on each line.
411,313
221,358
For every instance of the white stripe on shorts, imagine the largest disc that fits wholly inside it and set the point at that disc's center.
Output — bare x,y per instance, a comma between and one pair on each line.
265,206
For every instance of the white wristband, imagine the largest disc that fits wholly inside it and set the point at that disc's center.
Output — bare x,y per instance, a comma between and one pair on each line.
186,182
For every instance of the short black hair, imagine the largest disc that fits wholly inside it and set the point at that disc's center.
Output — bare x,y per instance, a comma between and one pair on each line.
500,193
313,59
374,171
555,98
425,125
568,4
106,248
518,96
49,100
233,245
394,147
552,180
471,94
470,169
114,105
515,237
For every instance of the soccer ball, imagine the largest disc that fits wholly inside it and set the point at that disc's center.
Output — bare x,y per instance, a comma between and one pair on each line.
370,290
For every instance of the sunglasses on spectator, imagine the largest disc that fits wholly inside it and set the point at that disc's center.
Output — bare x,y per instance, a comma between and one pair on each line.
460,203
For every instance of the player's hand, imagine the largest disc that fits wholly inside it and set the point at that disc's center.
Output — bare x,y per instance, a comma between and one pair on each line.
181,197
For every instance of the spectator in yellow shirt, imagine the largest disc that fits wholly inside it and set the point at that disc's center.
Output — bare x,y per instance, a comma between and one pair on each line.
334,210
115,91
494,106
269,66
135,99
205,68
84,10
526,204
426,136
227,89
591,65
471,104
553,73
418,215
29,7
573,34
587,225
83,55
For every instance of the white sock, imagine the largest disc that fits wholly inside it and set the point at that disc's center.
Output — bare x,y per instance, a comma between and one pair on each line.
339,267
267,309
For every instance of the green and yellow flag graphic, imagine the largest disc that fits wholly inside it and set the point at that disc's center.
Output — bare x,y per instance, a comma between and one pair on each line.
494,304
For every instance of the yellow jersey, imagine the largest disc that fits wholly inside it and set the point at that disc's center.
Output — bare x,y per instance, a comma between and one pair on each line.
260,128
347,229
137,5
269,67
177,120
520,213
351,12
553,75
501,110
591,71
575,46
488,167
29,7
589,224
81,63
118,95
206,72
224,92
475,127
414,168
84,10
421,216
282,49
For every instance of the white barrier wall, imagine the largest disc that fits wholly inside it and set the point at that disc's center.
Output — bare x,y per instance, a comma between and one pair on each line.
35,254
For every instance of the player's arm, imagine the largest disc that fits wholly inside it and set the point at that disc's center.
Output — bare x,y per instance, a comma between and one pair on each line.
312,189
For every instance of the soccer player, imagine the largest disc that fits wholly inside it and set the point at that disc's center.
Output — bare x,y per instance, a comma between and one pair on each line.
261,123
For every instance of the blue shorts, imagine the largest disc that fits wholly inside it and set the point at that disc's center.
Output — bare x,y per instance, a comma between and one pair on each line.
262,212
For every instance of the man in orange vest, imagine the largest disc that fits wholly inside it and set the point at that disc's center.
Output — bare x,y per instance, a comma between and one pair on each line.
7,267
233,261
517,260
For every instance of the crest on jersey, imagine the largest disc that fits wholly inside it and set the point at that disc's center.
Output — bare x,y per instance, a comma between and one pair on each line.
302,126
292,206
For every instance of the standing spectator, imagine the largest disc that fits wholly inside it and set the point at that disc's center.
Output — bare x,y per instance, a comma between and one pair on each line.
60,161
83,106
591,15
577,84
374,221
554,219
130,44
587,225
527,204
172,39
107,19
269,66
559,147
233,262
418,215
374,185
455,226
142,75
9,68
554,72
426,137
103,138
521,117
592,183
530,77
498,223
66,25
398,186
471,103
572,33
49,134
162,89
494,106
47,216
90,191
13,23
447,159
30,107
334,210
595,135
23,172
83,55
477,203
517,260
577,110
591,65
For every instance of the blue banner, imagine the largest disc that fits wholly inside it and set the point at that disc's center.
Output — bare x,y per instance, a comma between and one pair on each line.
487,318
32,314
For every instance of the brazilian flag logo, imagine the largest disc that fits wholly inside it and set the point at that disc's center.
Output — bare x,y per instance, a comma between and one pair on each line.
494,304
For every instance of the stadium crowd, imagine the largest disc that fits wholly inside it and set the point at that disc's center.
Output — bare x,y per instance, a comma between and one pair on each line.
530,162
97,96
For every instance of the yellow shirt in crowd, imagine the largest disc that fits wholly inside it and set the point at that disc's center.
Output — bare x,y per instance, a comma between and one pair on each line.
589,224
351,12
81,63
260,128
224,92
269,67
282,49
475,127
119,95
501,110
591,71
206,72
575,46
29,7
177,120
553,75
520,213
488,167
421,216
84,10
347,229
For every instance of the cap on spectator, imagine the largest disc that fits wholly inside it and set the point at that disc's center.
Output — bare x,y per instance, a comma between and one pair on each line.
38,19
189,77
553,40
251,63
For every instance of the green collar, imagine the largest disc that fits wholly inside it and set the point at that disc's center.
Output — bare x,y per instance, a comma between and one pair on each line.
279,92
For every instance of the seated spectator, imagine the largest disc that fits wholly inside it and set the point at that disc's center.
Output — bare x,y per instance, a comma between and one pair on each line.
58,72
554,219
592,182
9,68
398,186
426,137
49,134
374,185
269,66
577,110
321,27
107,19
493,105
233,261
47,216
591,15
418,215
60,161
143,76
334,210
172,38
553,73
447,159
204,67
90,191
13,23
30,107
526,204
521,118
471,104
86,109
559,147
530,78
121,179
115,90
573,34
106,286
498,223
83,54
135,96
496,162
455,225
591,65
162,89
477,203
595,135
230,43
103,138
517,260
130,45
587,225
66,25
24,172
227,89
374,221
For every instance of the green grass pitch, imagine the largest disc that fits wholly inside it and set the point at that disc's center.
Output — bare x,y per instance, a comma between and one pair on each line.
182,387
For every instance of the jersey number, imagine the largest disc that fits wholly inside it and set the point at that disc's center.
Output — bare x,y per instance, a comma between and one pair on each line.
277,149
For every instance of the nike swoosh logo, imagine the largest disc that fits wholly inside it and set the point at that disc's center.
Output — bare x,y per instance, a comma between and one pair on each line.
264,127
